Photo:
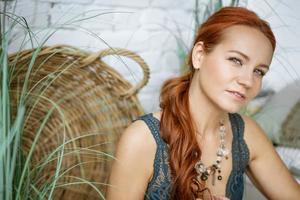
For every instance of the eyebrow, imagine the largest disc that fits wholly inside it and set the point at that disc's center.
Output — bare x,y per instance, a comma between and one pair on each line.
247,58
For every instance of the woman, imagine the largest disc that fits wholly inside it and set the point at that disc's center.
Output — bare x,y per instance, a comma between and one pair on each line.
197,146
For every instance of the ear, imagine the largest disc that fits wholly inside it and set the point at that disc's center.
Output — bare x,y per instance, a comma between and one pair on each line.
197,54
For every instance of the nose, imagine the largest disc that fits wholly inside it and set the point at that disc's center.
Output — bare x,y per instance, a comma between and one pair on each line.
245,78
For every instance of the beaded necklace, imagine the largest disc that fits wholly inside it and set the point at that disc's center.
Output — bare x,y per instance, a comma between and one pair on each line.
203,171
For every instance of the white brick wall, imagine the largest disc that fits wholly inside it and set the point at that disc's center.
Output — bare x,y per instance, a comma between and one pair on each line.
148,27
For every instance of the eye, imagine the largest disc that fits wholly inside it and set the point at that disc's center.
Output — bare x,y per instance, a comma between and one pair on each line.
259,72
236,61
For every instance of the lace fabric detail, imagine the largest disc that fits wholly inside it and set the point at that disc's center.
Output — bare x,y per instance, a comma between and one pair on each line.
160,185
240,159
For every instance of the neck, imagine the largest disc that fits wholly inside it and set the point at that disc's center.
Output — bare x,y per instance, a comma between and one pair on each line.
206,115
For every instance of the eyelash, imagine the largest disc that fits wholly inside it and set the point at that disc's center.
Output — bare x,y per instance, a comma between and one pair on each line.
260,72
240,62
236,60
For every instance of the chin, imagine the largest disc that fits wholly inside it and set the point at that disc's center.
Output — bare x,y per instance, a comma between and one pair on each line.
231,107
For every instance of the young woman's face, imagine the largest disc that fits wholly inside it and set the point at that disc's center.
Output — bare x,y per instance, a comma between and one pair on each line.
231,74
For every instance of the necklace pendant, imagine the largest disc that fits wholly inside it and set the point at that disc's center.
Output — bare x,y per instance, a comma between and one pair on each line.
204,172
200,168
214,179
204,177
220,153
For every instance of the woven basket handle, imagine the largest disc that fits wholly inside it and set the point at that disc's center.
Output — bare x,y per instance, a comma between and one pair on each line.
129,54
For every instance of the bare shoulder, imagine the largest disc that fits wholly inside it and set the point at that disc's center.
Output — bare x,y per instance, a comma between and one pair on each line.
265,168
255,137
136,139
133,167
252,126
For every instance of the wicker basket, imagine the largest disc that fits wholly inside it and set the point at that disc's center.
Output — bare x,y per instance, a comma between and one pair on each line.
89,104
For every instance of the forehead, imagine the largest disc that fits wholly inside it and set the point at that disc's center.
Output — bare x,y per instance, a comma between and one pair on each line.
248,40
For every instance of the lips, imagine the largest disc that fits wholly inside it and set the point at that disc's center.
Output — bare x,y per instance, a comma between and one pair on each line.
237,95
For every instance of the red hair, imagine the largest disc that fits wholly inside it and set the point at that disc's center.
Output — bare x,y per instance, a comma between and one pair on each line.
176,122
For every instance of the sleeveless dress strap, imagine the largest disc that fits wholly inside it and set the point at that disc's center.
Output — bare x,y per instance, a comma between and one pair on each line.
240,159
153,125
160,184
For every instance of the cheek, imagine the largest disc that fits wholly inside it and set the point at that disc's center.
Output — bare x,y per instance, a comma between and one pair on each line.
217,71
257,87
221,75
215,78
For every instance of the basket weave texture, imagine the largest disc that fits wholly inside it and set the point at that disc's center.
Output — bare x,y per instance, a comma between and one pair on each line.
84,104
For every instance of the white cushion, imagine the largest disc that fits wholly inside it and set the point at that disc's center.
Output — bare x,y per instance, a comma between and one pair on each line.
274,112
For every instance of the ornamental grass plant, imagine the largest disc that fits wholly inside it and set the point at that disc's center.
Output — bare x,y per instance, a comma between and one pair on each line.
22,175
62,110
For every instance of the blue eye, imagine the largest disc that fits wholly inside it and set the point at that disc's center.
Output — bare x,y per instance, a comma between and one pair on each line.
236,61
259,72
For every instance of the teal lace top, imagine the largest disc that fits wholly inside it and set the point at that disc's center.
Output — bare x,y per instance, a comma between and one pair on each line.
160,185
